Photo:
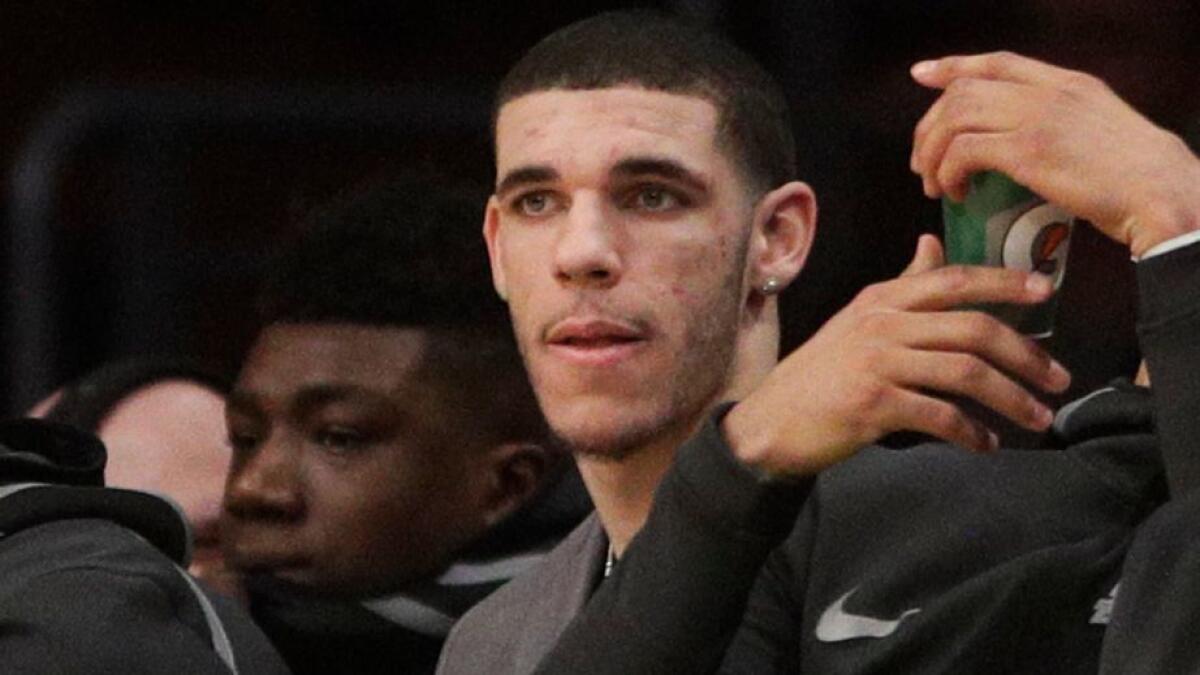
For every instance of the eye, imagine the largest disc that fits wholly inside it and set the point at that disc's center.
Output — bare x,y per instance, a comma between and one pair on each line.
340,439
535,203
654,199
242,441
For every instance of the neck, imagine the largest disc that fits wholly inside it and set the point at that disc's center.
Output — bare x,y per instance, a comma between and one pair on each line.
623,491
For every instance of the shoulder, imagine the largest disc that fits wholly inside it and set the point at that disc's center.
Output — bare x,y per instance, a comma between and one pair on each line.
938,501
94,544
103,595
102,600
941,472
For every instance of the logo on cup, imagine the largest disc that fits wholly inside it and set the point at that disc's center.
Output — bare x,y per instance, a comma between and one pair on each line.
1046,247
1038,241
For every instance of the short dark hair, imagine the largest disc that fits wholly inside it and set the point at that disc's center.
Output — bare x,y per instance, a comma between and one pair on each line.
410,255
656,51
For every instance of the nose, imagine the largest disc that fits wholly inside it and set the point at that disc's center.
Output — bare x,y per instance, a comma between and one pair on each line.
586,252
265,483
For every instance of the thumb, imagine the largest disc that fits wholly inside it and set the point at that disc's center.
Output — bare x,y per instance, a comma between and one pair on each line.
929,256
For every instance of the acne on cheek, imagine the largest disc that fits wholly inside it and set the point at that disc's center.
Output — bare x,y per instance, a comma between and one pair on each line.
726,247
681,294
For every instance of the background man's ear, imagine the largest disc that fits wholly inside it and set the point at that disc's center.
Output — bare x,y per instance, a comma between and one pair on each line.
785,222
491,231
517,471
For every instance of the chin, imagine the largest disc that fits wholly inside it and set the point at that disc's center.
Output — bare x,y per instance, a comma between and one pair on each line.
308,583
605,433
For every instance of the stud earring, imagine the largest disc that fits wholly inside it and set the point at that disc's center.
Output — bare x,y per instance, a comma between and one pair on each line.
771,286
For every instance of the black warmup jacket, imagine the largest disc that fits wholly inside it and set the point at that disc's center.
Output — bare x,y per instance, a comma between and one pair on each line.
90,580
929,560
1157,608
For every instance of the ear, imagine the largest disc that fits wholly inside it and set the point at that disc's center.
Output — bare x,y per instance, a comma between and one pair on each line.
491,235
515,472
785,222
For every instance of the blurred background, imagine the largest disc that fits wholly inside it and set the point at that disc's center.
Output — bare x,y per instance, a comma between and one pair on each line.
152,149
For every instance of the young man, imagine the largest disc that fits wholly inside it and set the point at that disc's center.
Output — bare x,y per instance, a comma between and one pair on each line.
389,457
639,234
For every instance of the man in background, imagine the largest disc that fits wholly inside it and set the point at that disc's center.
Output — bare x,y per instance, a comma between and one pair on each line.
390,465
91,578
162,420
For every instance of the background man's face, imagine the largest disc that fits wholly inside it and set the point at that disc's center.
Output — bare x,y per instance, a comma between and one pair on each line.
169,437
618,234
346,477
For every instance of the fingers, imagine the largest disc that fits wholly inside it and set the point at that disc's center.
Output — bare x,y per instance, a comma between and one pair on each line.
929,256
933,416
1006,66
968,354
949,287
984,337
967,154
968,106
968,375
998,343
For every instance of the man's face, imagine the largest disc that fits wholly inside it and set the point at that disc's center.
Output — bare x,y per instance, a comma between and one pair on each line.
169,437
618,234
346,477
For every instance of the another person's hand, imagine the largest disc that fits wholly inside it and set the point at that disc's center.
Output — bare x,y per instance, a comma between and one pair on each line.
1063,134
890,361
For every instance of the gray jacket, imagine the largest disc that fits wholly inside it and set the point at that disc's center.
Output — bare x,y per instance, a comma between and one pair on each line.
516,626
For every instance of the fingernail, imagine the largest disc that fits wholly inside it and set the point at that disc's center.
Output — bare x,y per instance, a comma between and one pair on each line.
922,68
1038,284
993,441
1042,416
1060,377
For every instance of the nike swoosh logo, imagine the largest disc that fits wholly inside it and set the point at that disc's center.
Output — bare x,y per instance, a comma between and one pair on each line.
837,625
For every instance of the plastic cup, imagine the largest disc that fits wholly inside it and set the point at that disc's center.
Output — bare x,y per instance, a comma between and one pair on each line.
1001,223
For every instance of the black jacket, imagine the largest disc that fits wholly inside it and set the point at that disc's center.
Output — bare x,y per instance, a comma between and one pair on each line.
925,560
90,577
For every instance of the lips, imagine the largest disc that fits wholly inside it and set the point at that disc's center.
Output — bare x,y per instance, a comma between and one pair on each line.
595,341
255,551
264,560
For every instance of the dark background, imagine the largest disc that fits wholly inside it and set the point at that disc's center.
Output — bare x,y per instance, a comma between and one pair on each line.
153,150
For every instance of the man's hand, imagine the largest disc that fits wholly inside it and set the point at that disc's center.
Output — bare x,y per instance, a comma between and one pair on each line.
886,362
1063,134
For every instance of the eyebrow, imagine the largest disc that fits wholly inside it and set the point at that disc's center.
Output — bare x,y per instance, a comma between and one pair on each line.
638,167
525,175
306,400
632,167
310,399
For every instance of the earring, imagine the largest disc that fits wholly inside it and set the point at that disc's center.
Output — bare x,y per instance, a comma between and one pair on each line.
771,286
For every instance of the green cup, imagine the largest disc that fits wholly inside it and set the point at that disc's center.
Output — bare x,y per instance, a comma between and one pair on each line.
1003,224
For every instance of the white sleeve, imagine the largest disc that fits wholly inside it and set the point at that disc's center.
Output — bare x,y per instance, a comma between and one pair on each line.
1171,245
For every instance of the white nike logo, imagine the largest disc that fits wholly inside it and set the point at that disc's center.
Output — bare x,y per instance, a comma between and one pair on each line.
837,624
